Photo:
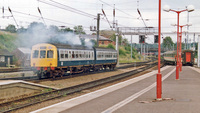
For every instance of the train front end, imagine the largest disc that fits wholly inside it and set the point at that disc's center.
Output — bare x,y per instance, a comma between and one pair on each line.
44,59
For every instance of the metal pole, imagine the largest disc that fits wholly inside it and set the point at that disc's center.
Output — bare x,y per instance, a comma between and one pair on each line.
159,75
98,20
141,48
117,42
187,31
147,50
131,48
117,48
198,60
177,53
194,42
180,47
144,52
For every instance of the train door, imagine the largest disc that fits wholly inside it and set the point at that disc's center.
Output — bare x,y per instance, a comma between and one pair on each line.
188,56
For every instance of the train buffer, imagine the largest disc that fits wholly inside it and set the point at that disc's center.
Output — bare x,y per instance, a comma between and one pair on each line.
138,95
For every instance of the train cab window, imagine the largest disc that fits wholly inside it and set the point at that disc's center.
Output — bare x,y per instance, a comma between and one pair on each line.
49,54
35,54
42,53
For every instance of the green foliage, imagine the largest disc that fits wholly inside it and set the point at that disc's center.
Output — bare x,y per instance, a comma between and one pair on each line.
111,46
167,42
66,30
128,50
122,52
11,28
79,29
7,41
94,42
47,90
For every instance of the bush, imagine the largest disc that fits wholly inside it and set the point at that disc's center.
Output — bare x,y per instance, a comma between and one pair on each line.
111,46
122,52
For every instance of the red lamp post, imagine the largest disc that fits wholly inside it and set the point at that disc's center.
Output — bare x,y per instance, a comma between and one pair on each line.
181,27
159,75
178,54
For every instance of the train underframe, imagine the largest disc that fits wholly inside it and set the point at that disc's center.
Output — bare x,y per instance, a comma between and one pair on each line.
61,71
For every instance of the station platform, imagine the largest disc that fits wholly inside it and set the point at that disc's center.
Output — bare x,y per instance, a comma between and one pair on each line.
138,95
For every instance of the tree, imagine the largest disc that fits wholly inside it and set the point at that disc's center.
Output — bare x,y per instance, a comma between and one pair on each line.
21,30
11,28
66,30
167,42
113,38
79,29
53,28
36,27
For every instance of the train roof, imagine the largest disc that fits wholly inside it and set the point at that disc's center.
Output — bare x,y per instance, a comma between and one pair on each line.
104,49
187,50
67,46
79,47
169,52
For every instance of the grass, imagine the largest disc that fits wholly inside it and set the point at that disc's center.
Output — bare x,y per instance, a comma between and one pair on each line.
8,41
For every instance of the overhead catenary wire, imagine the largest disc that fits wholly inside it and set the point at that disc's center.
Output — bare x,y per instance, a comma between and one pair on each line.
105,16
116,8
13,17
141,17
41,16
68,8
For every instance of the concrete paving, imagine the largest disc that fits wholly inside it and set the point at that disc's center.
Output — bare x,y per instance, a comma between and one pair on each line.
138,96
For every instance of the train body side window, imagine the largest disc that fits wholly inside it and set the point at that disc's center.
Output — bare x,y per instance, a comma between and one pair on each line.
49,54
69,54
62,55
86,54
73,54
66,54
35,54
42,53
76,53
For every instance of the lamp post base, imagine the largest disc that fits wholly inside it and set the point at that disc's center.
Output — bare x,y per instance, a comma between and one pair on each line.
159,86
177,72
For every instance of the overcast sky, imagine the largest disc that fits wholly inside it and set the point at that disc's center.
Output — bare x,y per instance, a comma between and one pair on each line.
126,13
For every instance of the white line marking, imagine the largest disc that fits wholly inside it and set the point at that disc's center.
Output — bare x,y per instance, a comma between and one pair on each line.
55,108
196,69
136,95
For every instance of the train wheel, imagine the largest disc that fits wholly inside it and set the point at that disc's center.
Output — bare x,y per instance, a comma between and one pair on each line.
61,73
104,67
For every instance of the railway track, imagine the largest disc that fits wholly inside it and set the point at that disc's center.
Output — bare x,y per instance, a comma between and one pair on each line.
39,98
8,70
136,64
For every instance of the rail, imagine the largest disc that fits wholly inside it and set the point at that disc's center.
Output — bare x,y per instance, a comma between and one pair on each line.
28,101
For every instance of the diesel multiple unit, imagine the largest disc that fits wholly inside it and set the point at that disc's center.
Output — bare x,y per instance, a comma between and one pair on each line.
51,60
